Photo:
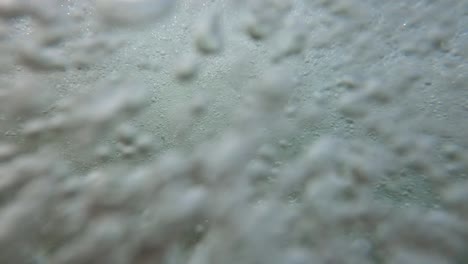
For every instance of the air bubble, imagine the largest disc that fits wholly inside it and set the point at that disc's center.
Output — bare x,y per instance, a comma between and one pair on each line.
126,134
187,68
209,34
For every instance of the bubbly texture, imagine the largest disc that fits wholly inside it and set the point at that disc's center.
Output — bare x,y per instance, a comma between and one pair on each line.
233,131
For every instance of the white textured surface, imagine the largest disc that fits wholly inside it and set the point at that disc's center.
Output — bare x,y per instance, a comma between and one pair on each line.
222,131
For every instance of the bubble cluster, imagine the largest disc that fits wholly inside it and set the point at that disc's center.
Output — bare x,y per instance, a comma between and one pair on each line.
221,131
